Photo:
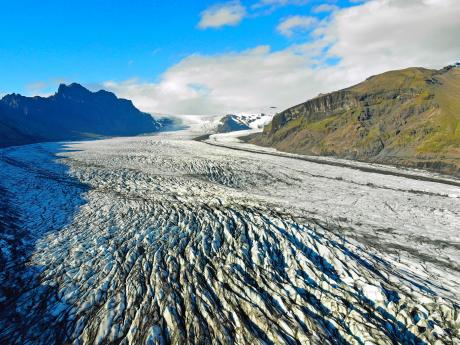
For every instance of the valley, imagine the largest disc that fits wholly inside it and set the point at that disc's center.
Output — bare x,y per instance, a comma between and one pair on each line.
164,239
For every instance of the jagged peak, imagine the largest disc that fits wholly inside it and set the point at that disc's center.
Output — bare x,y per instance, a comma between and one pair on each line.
72,90
72,86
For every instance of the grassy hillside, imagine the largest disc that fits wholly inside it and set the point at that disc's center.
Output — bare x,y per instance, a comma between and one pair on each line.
409,117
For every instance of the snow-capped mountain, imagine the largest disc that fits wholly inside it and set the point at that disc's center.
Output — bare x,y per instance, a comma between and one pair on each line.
232,122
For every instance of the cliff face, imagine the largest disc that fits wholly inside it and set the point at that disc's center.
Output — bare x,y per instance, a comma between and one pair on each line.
409,117
72,113
315,109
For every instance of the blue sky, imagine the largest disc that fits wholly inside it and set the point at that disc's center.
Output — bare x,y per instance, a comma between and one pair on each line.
148,50
91,41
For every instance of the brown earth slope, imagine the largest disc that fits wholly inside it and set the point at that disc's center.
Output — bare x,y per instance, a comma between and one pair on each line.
408,117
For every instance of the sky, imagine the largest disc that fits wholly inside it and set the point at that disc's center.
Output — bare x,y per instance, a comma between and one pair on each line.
217,57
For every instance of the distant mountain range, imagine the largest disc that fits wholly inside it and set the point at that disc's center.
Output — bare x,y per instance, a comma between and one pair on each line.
72,113
408,117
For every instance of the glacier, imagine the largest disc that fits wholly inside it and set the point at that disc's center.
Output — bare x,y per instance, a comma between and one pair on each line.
164,239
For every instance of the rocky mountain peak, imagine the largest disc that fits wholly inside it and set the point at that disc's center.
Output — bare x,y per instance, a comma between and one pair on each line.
73,112
73,90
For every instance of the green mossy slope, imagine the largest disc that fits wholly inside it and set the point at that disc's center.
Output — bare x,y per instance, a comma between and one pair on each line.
409,117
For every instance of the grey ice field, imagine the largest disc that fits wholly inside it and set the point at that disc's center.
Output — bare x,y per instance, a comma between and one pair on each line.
165,239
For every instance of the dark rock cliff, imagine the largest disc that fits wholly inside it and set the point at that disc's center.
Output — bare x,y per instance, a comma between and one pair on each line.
315,109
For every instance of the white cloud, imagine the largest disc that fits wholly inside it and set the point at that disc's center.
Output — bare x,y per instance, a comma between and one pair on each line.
239,82
278,3
43,88
387,34
266,7
229,13
36,87
288,26
325,8
368,38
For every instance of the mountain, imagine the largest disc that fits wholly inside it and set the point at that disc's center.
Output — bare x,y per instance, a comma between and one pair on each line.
72,113
232,123
408,117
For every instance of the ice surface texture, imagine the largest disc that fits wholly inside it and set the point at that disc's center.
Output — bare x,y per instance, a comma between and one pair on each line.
163,240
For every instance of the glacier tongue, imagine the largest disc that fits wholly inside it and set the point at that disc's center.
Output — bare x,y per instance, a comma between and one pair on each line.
156,240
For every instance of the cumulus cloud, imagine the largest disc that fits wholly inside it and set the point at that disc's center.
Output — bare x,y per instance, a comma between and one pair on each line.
288,26
238,82
364,40
387,34
229,13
